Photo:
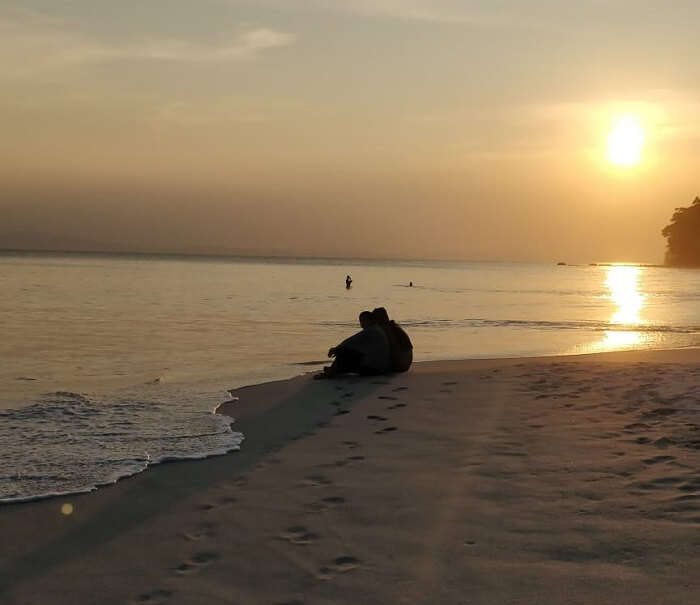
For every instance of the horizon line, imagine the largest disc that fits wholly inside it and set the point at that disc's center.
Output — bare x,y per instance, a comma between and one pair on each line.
260,256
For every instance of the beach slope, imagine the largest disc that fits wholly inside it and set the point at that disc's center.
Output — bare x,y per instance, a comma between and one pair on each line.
550,480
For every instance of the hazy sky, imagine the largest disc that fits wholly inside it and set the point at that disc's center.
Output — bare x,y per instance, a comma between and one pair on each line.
440,128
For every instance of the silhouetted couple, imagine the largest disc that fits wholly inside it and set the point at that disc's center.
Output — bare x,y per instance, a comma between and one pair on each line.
380,347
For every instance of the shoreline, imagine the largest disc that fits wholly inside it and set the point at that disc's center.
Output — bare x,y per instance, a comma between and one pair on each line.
232,405
402,481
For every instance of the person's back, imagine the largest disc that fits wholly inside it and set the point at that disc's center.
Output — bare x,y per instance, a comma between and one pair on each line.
373,345
366,352
400,346
402,352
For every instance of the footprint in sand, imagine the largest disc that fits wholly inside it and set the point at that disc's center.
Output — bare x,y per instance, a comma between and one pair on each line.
387,397
351,444
375,417
339,565
339,463
197,562
636,426
656,484
659,413
658,459
316,481
155,597
203,531
388,429
399,389
510,453
396,406
690,486
688,498
342,412
664,442
325,504
224,501
299,535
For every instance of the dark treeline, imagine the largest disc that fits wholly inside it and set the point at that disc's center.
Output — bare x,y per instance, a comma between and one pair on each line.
683,236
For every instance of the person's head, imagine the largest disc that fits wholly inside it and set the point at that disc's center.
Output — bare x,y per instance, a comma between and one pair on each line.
380,315
366,319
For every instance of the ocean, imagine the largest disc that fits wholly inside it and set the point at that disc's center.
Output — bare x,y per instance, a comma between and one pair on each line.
111,363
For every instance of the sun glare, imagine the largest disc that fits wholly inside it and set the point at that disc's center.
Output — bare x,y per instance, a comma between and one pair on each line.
622,282
625,141
624,292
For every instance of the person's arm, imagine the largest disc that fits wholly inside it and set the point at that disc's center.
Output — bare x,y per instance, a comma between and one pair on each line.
356,342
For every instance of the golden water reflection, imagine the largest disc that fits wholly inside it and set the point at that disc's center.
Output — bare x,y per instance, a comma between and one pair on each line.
622,282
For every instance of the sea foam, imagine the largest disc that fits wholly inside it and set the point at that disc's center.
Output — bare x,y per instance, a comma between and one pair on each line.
67,443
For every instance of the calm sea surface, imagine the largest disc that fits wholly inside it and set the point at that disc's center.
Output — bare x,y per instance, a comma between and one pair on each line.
112,363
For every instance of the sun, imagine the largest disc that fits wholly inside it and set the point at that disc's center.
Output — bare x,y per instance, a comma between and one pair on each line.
626,141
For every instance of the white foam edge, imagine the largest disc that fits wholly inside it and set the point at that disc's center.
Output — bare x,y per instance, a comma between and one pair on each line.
147,463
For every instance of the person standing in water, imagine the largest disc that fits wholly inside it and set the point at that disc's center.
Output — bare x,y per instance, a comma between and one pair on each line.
348,282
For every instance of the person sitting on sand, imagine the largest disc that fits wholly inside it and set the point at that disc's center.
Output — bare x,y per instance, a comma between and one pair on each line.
400,346
366,352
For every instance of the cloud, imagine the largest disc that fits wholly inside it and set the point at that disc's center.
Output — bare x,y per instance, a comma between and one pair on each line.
30,43
244,44
422,10
458,12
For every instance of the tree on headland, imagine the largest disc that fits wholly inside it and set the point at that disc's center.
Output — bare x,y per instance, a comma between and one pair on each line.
683,236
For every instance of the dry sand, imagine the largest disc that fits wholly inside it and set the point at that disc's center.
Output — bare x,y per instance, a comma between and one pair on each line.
551,480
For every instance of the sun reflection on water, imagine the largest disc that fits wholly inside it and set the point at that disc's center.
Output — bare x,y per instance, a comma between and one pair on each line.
622,282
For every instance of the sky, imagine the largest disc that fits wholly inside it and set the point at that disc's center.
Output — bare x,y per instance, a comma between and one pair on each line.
347,128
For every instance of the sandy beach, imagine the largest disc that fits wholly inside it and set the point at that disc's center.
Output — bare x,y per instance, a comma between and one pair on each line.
550,480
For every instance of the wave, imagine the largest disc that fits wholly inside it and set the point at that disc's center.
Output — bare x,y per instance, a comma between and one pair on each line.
309,363
590,325
510,291
68,443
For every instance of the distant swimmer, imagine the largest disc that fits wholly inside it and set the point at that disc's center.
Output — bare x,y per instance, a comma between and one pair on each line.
348,282
410,284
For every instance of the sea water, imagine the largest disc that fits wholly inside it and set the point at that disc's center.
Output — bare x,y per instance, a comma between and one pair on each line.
111,363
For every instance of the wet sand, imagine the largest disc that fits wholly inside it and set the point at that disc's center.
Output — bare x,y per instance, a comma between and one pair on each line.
550,480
